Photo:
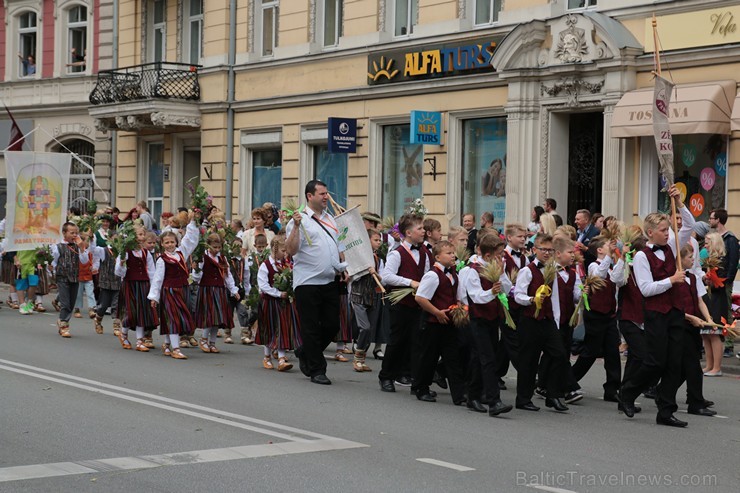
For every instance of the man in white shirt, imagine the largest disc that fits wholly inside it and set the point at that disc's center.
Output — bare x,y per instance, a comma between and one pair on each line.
313,244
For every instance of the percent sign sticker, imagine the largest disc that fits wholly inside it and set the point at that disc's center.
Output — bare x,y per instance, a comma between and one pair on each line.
720,164
707,178
696,204
682,190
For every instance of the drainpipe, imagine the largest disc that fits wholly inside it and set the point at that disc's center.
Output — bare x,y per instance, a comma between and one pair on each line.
114,134
230,112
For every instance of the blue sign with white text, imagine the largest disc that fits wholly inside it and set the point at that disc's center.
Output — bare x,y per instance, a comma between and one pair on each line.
342,135
426,127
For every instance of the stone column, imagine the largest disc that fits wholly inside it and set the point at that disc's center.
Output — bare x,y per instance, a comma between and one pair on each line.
613,189
523,157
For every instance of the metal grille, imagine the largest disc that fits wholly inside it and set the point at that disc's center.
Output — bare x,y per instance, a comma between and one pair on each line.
585,152
80,179
159,80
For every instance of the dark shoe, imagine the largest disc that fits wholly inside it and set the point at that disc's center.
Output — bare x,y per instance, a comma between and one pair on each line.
556,404
501,384
651,393
528,406
541,392
620,408
727,353
708,403
416,392
671,421
387,386
499,407
321,380
702,411
440,380
302,363
611,398
403,382
628,408
378,354
476,406
572,397
427,397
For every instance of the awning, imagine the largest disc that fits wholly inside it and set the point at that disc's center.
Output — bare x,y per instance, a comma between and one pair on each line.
701,108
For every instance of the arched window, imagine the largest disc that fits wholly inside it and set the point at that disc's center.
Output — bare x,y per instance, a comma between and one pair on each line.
80,179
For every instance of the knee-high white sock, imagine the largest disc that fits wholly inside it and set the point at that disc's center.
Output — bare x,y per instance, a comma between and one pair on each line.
212,335
175,340
39,298
340,346
139,332
281,353
124,331
14,297
267,351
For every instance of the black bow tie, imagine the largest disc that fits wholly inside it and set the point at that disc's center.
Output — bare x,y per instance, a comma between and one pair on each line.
449,270
561,268
659,247
414,247
540,265
516,254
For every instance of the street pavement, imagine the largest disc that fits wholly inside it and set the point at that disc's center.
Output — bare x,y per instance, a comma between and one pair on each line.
82,414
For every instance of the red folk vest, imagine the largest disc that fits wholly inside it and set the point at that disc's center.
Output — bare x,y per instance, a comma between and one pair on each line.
214,271
136,267
176,273
604,300
662,269
565,295
487,311
445,295
538,280
411,270
631,306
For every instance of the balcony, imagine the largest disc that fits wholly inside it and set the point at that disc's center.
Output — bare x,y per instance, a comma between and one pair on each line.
154,95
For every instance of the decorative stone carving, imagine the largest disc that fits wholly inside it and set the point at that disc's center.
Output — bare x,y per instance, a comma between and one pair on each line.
102,125
571,46
161,119
131,122
572,88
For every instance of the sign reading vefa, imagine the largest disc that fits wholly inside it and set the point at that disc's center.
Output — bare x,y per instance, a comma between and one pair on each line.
342,135
426,127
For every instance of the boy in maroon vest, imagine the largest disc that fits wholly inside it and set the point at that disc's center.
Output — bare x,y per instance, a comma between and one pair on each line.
437,292
404,267
656,274
602,335
486,314
538,332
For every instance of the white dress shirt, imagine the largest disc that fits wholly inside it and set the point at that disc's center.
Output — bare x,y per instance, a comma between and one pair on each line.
644,275
263,279
430,282
470,286
318,263
525,278
389,274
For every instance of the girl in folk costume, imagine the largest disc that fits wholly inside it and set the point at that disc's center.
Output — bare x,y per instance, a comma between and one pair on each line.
169,289
151,244
278,318
240,272
366,303
136,269
254,261
104,261
212,307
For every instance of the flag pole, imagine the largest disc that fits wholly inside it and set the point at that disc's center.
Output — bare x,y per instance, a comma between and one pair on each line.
674,218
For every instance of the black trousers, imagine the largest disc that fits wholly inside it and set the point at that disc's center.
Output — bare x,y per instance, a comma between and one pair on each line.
107,298
399,352
569,383
601,340
634,336
507,346
318,308
439,340
664,338
537,337
67,298
485,338
691,367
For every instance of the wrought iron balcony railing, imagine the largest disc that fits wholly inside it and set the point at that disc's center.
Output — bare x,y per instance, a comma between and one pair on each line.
159,80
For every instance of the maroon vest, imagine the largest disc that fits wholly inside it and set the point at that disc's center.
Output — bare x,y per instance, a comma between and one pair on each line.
687,296
662,269
176,273
538,279
411,270
136,267
487,311
214,271
445,295
512,262
604,300
631,305
565,295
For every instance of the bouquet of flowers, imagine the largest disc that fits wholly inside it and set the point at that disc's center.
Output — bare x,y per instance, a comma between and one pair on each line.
124,241
712,263
594,283
87,224
290,207
44,255
545,290
459,315
200,249
493,272
284,281
417,208
200,201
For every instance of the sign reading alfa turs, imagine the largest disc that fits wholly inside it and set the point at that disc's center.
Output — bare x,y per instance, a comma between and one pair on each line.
342,135
431,62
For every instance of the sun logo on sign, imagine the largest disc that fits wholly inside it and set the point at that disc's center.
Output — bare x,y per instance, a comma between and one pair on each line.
384,70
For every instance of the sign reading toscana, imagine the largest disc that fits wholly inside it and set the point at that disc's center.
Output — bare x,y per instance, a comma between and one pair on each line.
431,62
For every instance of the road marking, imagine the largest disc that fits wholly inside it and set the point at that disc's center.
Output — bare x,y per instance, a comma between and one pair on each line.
715,416
550,488
448,465
58,469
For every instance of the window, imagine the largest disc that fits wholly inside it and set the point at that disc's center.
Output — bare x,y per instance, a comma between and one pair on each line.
155,179
484,168
269,16
27,44
332,22
267,175
80,176
194,31
406,16
77,39
486,11
581,4
157,31
402,170
331,168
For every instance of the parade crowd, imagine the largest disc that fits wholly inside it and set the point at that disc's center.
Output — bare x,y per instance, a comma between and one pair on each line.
455,312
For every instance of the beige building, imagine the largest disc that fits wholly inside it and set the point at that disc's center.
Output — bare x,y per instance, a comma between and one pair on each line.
535,98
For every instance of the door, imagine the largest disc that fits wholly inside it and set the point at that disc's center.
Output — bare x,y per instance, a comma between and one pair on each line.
585,158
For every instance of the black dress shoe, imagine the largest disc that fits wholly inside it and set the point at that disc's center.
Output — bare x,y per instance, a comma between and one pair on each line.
628,408
416,392
528,407
572,397
321,380
556,404
499,407
706,403
671,421
387,386
476,406
611,398
426,397
702,411
403,382
440,380
620,408
501,384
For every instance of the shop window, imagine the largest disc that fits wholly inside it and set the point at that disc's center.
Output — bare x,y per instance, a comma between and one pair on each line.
484,168
700,171
581,4
405,17
193,30
332,22
77,39
331,168
268,26
267,175
486,11
155,179
403,165
157,31
27,31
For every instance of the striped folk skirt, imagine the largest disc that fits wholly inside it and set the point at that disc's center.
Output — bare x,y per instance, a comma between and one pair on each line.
134,309
174,312
44,281
345,318
9,272
212,308
279,327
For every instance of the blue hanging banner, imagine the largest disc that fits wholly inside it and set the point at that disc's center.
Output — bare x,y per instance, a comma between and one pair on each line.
426,127
343,135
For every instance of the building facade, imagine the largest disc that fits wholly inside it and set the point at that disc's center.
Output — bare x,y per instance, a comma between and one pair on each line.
50,53
536,99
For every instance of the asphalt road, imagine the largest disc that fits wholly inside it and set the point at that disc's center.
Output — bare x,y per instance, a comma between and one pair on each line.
83,415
